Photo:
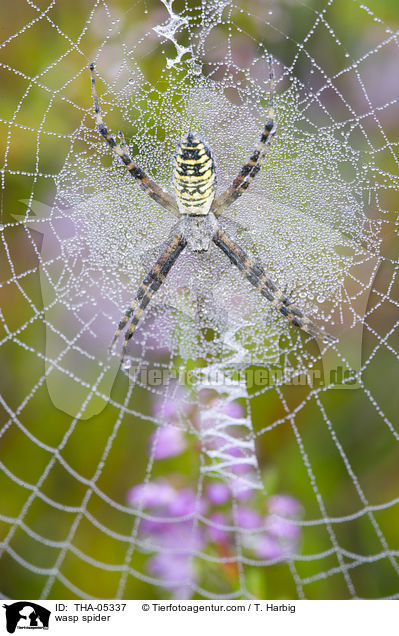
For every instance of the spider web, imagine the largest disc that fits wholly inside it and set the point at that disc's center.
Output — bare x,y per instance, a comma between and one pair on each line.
302,435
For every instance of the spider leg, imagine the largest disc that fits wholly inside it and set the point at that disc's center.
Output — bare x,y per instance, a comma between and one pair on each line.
255,274
148,287
148,185
254,163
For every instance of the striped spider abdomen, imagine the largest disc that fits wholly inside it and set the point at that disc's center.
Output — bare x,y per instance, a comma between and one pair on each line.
194,176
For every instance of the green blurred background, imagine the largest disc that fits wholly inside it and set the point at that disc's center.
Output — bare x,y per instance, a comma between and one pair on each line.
349,416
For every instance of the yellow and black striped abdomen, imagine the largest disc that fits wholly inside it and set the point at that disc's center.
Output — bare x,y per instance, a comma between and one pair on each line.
194,176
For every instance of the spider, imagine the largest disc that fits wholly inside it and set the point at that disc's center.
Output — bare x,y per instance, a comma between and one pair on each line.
195,205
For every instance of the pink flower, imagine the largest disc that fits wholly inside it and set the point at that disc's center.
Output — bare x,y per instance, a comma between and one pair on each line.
218,493
167,408
183,504
284,506
241,492
167,441
170,407
283,528
242,467
174,571
267,548
248,519
233,409
216,533
151,495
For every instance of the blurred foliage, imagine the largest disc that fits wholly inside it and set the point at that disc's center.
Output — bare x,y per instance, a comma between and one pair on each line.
278,450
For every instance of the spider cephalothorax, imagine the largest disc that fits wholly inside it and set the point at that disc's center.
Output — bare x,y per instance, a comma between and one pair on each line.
194,178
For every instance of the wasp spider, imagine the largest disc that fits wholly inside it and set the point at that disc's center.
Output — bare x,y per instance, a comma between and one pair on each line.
194,178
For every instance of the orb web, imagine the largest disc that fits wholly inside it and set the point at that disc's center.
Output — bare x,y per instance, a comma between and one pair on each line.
262,451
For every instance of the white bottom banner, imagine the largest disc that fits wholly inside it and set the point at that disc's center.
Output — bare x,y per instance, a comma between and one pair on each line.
187,617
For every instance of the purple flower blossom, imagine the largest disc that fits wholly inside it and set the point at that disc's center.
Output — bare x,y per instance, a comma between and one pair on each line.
233,409
153,528
267,547
174,542
243,466
218,493
284,506
174,571
176,537
217,534
241,492
283,528
183,537
183,504
171,568
248,519
167,441
166,408
151,495
169,407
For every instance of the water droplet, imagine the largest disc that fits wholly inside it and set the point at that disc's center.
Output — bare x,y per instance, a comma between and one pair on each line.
126,364
131,80
197,68
320,299
1,227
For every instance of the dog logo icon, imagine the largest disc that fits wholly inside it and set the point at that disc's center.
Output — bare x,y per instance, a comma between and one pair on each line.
26,615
